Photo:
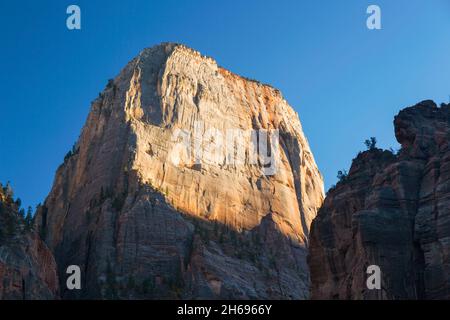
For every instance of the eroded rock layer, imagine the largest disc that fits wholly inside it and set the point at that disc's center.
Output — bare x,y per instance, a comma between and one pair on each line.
144,221
392,211
27,267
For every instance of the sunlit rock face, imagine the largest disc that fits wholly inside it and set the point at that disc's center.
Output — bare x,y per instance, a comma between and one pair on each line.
154,203
27,267
392,211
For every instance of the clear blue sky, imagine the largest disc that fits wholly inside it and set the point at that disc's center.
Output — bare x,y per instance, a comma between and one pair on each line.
345,81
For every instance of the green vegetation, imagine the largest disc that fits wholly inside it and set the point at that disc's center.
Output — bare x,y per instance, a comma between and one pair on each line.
13,219
241,245
342,175
131,284
71,153
371,143
110,83
119,201
29,219
148,286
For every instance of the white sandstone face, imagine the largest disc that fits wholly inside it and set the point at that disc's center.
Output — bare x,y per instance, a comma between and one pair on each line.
204,105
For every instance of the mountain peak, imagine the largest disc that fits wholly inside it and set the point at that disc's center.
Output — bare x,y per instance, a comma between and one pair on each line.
168,182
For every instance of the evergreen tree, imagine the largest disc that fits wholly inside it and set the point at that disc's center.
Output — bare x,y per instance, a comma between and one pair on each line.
29,218
371,143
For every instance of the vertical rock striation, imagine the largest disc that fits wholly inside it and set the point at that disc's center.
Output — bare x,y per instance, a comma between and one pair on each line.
392,211
142,220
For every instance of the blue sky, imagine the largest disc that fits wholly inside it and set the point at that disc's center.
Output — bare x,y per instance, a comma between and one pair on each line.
345,81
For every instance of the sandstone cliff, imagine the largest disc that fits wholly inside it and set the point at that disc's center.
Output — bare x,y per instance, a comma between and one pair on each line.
144,220
27,267
392,211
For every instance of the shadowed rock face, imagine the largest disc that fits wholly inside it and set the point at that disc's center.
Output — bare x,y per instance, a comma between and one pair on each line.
144,222
392,211
27,267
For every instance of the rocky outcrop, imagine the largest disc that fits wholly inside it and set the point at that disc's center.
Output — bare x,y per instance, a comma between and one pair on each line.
146,217
27,267
392,211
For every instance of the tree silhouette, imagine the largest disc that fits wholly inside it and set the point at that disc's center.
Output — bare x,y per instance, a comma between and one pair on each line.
371,143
